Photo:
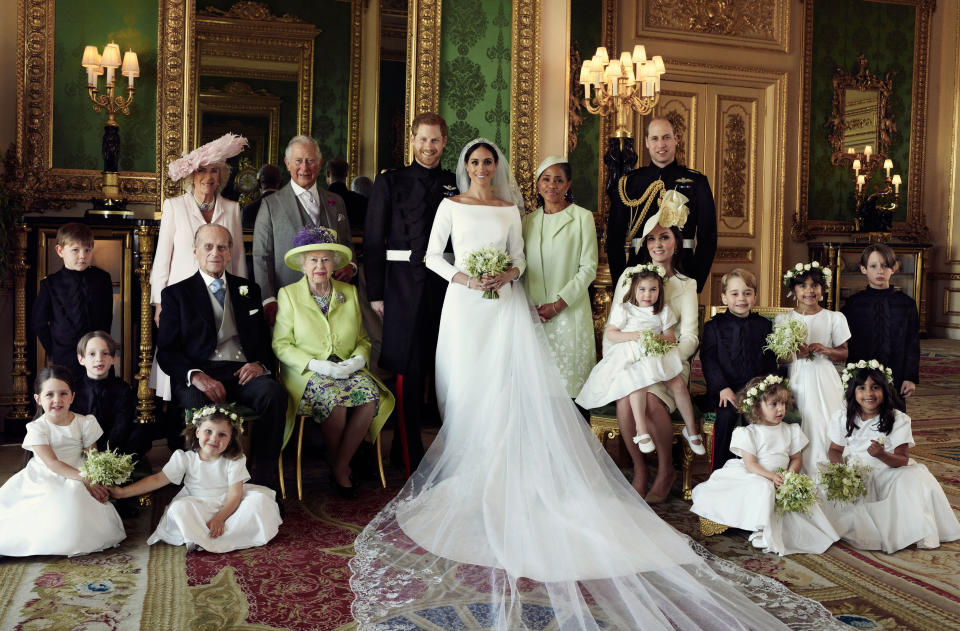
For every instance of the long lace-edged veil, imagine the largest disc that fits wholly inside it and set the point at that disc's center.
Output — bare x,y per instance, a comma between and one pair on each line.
504,183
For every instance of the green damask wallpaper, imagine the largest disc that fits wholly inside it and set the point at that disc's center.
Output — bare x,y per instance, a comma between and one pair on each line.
331,68
842,30
585,34
475,73
77,129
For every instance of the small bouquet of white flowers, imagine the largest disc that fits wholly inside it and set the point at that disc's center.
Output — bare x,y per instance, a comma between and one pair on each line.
843,482
786,338
108,467
487,260
653,345
796,494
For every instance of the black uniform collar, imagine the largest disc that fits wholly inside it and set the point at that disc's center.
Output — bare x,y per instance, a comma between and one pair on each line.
879,292
421,171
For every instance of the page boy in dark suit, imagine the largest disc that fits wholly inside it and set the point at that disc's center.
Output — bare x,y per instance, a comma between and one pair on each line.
215,344
732,354
73,301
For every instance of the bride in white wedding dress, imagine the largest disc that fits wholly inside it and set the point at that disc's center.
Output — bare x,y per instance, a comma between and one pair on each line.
517,519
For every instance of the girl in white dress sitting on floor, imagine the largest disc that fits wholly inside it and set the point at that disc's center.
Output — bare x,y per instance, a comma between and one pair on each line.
215,510
742,493
904,504
813,376
47,507
630,366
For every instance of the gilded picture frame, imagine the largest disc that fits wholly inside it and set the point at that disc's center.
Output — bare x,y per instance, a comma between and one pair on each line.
914,228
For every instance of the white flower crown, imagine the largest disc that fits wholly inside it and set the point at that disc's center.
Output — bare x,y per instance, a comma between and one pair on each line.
755,393
646,267
864,364
196,416
800,268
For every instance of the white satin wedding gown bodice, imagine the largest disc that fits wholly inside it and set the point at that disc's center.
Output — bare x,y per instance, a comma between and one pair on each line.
516,517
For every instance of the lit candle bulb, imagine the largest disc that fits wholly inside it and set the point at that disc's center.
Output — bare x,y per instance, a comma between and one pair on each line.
868,151
896,181
850,150
861,180
856,166
888,166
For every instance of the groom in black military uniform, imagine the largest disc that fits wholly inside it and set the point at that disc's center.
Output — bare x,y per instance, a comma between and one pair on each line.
626,208
400,288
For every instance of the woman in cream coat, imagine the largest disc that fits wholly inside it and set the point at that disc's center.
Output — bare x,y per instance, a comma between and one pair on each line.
204,172
661,245
324,352
560,243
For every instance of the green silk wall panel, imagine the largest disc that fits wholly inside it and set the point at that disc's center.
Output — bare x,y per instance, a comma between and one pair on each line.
77,129
842,30
475,73
585,35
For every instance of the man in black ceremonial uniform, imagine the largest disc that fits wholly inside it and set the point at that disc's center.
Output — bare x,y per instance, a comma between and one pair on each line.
626,208
400,288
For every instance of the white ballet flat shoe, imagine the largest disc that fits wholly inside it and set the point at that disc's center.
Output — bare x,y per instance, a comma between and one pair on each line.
647,446
758,540
700,450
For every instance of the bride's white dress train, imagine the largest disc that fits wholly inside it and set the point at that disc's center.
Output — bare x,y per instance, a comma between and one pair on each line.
517,519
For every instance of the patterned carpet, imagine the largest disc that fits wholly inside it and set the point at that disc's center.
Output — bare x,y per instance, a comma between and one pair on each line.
300,580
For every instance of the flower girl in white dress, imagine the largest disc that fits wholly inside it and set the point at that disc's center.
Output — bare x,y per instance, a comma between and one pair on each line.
631,364
742,493
215,510
813,376
47,507
904,504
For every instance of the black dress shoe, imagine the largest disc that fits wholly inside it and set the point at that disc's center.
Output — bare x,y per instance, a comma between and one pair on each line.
343,492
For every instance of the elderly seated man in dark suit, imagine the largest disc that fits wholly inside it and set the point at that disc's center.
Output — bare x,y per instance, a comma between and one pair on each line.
214,343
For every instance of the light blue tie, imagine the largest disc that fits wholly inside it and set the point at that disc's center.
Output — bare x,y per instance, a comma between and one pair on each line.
218,290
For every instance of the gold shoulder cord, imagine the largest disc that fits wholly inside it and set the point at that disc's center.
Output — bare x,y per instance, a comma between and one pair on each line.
654,191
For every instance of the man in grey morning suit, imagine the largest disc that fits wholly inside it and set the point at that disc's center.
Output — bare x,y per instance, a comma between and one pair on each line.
282,215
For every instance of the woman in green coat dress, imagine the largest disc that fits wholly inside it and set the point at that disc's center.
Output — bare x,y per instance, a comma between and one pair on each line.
324,352
560,243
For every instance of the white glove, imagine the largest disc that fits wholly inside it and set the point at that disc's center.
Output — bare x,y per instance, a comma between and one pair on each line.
353,364
323,367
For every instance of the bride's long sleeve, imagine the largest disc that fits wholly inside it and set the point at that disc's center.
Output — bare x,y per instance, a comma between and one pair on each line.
439,234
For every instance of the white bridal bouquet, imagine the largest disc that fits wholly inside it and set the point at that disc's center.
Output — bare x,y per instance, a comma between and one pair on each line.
108,467
843,482
487,260
786,338
795,495
653,345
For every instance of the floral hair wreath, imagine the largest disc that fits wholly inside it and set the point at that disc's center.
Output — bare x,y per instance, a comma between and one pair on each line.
864,364
756,392
196,416
646,267
801,268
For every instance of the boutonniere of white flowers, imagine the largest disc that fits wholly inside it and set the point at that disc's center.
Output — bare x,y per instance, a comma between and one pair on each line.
244,290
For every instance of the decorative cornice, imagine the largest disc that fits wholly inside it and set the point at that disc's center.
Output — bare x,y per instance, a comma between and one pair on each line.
249,10
525,95
733,22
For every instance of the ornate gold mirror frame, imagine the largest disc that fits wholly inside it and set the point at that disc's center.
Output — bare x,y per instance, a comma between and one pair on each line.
915,227
240,99
847,114
44,186
249,42
423,79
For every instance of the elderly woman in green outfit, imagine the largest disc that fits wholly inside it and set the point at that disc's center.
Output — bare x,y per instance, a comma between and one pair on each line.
324,351
560,243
